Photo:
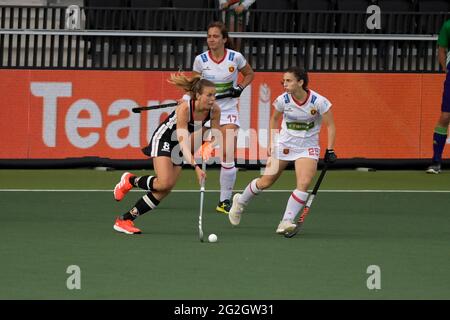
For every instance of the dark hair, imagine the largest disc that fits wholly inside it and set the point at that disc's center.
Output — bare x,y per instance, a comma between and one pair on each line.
300,74
223,30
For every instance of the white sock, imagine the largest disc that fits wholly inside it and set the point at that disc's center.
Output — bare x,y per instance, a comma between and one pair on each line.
295,203
228,174
250,191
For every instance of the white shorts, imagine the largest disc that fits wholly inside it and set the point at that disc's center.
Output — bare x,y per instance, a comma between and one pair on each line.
227,117
230,117
288,154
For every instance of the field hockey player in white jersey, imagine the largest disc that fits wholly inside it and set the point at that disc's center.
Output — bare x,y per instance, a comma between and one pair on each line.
222,65
303,111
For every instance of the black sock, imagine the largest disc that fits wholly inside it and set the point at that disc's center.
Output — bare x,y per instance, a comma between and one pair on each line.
129,216
144,182
132,180
143,205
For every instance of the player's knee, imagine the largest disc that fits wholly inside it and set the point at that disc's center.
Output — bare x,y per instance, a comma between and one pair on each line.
265,182
166,185
228,156
445,119
303,184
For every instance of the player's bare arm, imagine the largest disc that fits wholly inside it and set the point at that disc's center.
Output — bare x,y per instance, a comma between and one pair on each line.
331,128
442,56
182,132
248,74
274,126
215,125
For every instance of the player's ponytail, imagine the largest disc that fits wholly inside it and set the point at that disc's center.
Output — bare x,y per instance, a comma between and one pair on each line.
192,85
181,81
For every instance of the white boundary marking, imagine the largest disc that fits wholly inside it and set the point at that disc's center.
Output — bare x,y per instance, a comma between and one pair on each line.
197,190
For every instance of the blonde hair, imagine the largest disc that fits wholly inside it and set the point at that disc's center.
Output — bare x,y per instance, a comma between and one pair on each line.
192,85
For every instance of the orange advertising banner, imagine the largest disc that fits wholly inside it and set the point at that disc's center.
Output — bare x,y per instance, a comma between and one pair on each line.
70,113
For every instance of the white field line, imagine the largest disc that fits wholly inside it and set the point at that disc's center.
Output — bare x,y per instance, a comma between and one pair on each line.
266,191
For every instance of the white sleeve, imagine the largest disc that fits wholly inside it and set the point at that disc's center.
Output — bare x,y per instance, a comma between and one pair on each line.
240,61
324,105
197,67
247,3
278,104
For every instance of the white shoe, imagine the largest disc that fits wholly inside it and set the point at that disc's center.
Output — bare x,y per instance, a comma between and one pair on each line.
435,168
236,210
286,226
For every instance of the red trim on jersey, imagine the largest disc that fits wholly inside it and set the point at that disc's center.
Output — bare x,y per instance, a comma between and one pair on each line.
299,103
192,112
297,199
215,61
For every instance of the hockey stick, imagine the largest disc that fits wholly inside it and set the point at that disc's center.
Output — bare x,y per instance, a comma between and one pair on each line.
202,194
159,106
172,104
309,201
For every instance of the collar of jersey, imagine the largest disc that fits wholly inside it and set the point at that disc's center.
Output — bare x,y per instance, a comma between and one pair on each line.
215,61
298,102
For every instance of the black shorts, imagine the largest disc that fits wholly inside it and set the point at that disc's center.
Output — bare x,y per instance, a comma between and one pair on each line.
162,144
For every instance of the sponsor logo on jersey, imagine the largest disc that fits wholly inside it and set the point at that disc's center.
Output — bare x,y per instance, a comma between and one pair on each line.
286,98
313,98
204,57
300,126
231,56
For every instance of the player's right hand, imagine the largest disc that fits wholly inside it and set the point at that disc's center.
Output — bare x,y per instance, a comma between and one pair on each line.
201,175
330,156
206,150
